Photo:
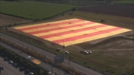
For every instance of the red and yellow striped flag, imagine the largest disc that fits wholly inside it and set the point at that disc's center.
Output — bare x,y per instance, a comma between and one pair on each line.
71,31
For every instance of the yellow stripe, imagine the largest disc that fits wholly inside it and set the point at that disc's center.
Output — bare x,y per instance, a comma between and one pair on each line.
64,30
79,33
33,25
95,37
51,27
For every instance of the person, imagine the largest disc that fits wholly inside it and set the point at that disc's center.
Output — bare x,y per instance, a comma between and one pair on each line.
1,68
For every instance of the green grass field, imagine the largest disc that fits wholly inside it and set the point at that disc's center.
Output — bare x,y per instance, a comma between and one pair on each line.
33,10
124,2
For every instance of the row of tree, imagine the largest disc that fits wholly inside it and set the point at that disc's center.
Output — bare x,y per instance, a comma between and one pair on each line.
64,1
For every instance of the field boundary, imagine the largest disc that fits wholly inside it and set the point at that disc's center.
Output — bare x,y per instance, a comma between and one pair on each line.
36,19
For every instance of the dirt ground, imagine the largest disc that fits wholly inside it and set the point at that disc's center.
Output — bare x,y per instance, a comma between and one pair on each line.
122,41
10,20
119,10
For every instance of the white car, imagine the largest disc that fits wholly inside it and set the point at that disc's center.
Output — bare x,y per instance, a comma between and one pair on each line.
90,52
86,52
66,52
10,61
31,73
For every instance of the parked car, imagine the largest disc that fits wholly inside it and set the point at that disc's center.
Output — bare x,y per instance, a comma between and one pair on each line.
58,49
10,61
66,52
5,59
50,73
56,73
26,71
15,65
86,52
31,73
1,68
90,52
21,69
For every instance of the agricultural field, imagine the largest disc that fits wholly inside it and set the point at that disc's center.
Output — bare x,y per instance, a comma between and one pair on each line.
118,10
33,10
112,55
123,2
6,20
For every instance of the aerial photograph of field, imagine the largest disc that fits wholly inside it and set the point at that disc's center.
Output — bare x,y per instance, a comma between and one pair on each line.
67,37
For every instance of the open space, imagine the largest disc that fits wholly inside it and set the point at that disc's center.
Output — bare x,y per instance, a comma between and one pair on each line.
112,54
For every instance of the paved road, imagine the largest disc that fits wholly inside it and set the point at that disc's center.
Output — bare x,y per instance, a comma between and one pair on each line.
9,69
51,56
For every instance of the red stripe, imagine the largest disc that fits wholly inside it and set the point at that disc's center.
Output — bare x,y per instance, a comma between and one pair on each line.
59,28
85,36
55,24
71,32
